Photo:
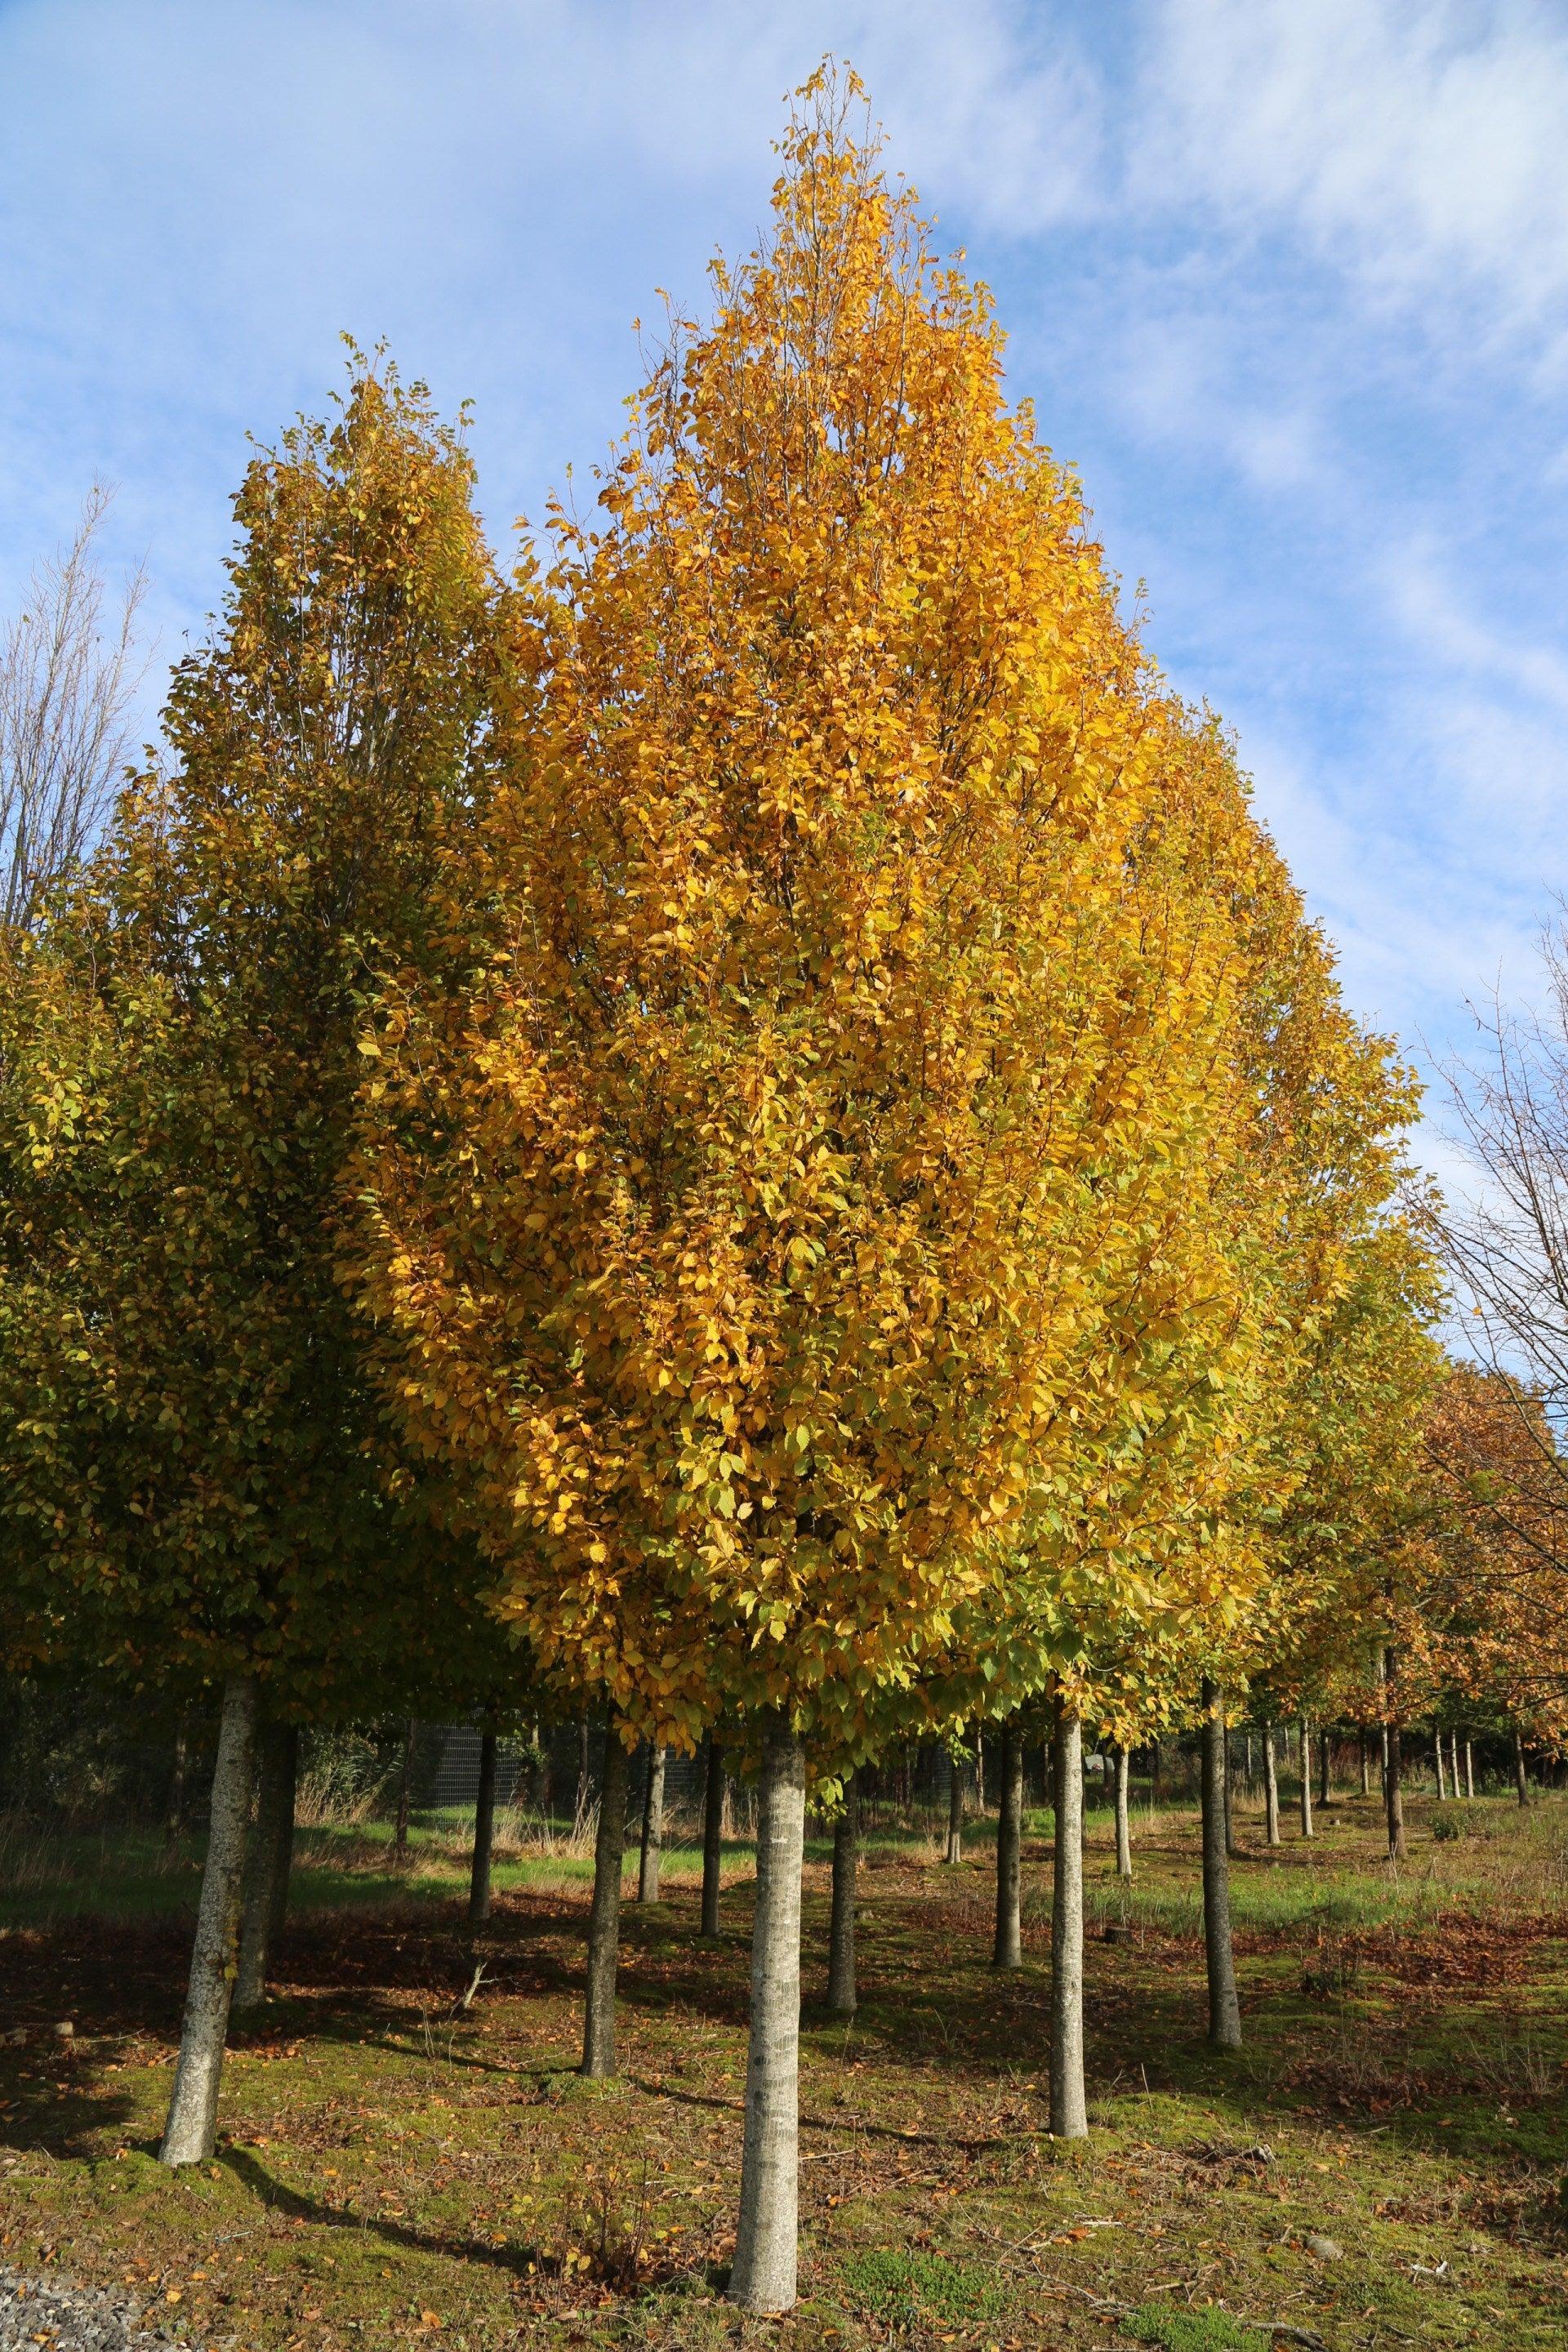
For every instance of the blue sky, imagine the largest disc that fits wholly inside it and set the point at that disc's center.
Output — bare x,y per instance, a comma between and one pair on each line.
1287,280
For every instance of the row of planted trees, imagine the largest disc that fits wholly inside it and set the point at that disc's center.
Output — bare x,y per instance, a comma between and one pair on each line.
741,1126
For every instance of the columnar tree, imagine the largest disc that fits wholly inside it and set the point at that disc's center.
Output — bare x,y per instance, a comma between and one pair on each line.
746,1232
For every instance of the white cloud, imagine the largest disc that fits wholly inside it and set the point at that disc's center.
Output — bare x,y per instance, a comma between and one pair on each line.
1417,142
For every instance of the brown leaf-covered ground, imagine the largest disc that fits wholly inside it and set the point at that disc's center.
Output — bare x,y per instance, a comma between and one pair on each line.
1381,2166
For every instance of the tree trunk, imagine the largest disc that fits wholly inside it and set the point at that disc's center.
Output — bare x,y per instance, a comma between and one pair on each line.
1225,2010
400,1835
841,1927
954,1810
764,2276
484,1833
1325,1768
1394,1798
1522,1785
265,1901
582,1770
980,1772
189,2134
1123,1813
1365,1765
1007,1949
712,1837
652,1828
1230,1826
1306,1778
1270,1785
1069,2112
1470,1769
1442,1776
605,1916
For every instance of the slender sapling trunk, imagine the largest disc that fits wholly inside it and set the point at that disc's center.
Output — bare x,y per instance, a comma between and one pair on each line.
1007,1949
764,2276
1470,1769
1393,1793
192,2127
1522,1785
604,1916
1123,1813
1306,1778
954,1810
1270,1786
265,1901
1069,2111
652,1828
712,1837
1365,1765
484,1833
1225,2009
1325,1768
841,1990
1442,1776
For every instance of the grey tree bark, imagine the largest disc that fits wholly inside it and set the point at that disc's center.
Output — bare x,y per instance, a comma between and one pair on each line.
1007,1948
1442,1775
954,1810
1522,1785
1229,1791
1470,1769
652,1828
1306,1778
484,1833
1393,1794
174,1825
192,2124
764,2275
1124,1814
1325,1768
604,1914
264,1899
1225,2009
1069,2111
1365,1767
712,1837
841,1985
1270,1786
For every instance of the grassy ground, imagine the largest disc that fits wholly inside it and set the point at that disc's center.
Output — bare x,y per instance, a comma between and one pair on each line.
1380,2167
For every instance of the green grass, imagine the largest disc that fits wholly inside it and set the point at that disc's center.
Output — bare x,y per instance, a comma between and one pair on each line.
395,2168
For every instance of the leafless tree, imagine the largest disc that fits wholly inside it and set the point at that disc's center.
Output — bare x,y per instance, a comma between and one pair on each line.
69,670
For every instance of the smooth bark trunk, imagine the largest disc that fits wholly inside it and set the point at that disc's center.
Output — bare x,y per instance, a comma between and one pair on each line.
1270,1786
652,1828
954,1810
1325,1768
605,1916
1069,2111
841,1992
1394,1794
484,1833
1229,1783
1365,1767
712,1837
1225,2009
764,2276
1469,1770
1522,1785
1306,1778
1442,1776
1007,1947
265,1901
1123,1813
191,2130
